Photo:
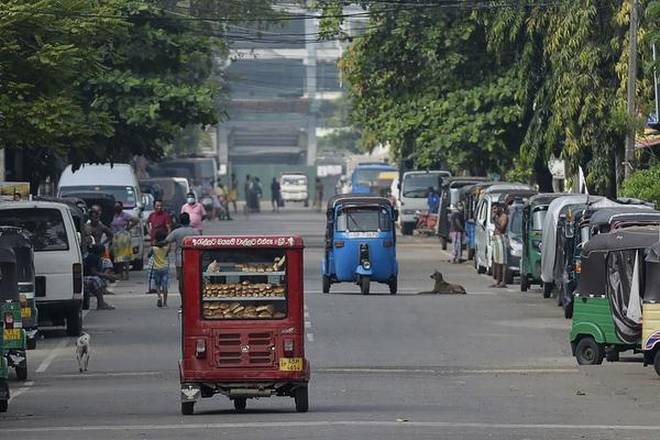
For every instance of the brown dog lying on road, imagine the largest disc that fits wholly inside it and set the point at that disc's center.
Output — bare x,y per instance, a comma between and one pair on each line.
442,287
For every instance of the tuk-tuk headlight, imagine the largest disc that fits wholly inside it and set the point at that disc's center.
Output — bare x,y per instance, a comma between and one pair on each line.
366,265
537,244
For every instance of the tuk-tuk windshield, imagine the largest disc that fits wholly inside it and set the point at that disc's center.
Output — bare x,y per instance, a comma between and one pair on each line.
585,234
244,284
538,217
515,220
46,227
364,220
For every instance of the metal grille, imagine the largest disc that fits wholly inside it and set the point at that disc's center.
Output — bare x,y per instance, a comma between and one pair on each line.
244,349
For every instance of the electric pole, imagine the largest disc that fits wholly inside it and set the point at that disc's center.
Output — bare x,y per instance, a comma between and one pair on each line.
632,82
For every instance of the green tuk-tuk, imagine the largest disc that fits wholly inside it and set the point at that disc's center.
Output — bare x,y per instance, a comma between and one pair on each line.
601,324
18,240
4,372
532,232
14,342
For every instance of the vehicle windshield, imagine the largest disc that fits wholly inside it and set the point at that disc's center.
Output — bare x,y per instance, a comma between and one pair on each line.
124,194
515,220
585,234
294,180
365,176
538,217
46,227
417,185
363,220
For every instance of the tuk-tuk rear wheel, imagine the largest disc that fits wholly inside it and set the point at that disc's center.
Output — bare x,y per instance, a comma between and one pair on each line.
589,352
32,343
187,408
393,286
240,403
326,284
302,399
4,405
22,372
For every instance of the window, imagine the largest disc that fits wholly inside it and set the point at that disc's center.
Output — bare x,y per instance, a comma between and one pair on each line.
244,284
46,227
417,185
363,220
538,218
123,194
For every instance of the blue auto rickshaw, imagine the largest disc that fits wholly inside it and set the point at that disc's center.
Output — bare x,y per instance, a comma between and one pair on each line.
360,242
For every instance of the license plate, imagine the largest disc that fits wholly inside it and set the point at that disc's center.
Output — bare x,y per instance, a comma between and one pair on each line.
291,364
26,312
12,333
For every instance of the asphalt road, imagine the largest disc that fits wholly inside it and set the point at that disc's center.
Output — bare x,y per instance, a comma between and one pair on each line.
492,364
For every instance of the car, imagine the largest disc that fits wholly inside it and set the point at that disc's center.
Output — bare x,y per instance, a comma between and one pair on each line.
57,259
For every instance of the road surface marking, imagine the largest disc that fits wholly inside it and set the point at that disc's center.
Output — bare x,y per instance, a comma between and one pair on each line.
339,423
308,325
108,374
20,391
448,371
52,355
310,337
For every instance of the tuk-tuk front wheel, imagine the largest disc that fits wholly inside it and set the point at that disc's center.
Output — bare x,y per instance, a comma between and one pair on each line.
547,290
32,343
656,362
326,284
187,408
364,285
524,283
589,352
240,403
302,399
4,406
4,403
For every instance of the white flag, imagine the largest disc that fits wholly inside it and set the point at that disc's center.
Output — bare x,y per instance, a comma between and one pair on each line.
582,184
634,312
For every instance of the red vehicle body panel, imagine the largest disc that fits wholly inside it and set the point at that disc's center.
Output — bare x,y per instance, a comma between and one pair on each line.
241,351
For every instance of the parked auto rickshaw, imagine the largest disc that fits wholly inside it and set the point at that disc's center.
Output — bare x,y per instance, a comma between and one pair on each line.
651,308
532,232
243,332
14,341
360,242
576,227
18,240
601,327
4,372
449,196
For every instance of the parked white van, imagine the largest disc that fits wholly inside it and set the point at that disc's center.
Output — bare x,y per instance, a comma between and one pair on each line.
293,188
118,180
57,259
412,194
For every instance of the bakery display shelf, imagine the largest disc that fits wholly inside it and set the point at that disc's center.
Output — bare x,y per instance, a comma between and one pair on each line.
243,298
243,274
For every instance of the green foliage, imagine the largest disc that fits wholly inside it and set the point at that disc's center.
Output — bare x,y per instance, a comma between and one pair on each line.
498,89
644,185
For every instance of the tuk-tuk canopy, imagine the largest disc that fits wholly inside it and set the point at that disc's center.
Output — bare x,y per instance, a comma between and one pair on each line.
652,270
549,236
543,199
636,237
349,200
623,214
8,282
518,194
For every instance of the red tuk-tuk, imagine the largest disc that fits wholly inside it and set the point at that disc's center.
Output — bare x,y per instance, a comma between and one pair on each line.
243,331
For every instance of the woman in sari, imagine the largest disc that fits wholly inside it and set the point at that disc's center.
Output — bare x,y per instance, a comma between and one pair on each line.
122,250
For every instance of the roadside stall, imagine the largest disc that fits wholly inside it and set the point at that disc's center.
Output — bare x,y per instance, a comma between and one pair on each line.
243,320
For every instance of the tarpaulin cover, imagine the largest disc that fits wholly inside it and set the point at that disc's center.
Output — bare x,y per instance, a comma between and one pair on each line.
620,265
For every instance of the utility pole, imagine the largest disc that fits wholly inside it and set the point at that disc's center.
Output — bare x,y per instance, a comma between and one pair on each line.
632,82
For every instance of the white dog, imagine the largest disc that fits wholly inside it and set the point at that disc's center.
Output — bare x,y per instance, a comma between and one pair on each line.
82,351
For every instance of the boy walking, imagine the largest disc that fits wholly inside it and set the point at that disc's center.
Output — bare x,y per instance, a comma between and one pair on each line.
161,267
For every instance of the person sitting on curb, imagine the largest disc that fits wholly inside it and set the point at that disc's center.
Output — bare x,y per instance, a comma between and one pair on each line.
95,278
